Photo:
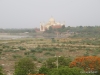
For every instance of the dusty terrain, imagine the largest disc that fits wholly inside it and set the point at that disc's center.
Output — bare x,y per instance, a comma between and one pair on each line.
40,49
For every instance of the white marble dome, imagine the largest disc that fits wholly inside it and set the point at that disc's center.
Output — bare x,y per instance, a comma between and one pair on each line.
52,20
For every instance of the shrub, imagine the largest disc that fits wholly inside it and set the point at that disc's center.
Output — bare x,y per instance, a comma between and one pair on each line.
26,53
22,48
33,50
47,53
16,56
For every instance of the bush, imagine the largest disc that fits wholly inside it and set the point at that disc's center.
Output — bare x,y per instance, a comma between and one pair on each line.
62,71
67,71
48,53
33,50
1,51
16,56
39,51
33,57
26,53
1,72
86,54
22,48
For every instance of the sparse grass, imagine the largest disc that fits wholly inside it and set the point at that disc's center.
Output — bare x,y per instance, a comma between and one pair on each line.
40,49
49,53
16,56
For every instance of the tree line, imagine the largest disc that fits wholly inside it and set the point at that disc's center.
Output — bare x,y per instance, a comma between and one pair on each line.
79,31
17,30
85,65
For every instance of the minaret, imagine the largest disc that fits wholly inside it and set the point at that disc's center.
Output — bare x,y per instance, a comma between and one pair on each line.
40,26
43,26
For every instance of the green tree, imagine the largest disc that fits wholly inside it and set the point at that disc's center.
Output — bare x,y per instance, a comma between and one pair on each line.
62,61
43,70
1,73
67,71
24,66
52,62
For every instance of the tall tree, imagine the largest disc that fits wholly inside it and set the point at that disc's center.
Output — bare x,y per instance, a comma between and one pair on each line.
24,66
57,62
88,63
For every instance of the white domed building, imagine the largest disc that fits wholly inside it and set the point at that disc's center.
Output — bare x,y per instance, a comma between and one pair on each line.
51,23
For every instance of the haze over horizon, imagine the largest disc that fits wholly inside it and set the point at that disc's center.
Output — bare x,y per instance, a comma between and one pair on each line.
29,13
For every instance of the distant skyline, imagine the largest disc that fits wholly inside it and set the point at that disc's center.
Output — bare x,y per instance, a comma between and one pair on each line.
29,13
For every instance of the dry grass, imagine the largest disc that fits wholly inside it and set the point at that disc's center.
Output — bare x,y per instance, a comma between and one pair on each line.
67,47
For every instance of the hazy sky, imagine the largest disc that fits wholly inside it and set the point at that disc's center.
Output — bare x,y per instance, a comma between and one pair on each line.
29,13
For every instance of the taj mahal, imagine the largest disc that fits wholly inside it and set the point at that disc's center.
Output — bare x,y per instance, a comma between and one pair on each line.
52,23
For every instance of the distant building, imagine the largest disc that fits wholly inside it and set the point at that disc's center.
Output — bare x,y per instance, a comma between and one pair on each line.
52,23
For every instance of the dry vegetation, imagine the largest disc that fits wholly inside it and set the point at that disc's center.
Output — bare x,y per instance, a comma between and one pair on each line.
41,49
